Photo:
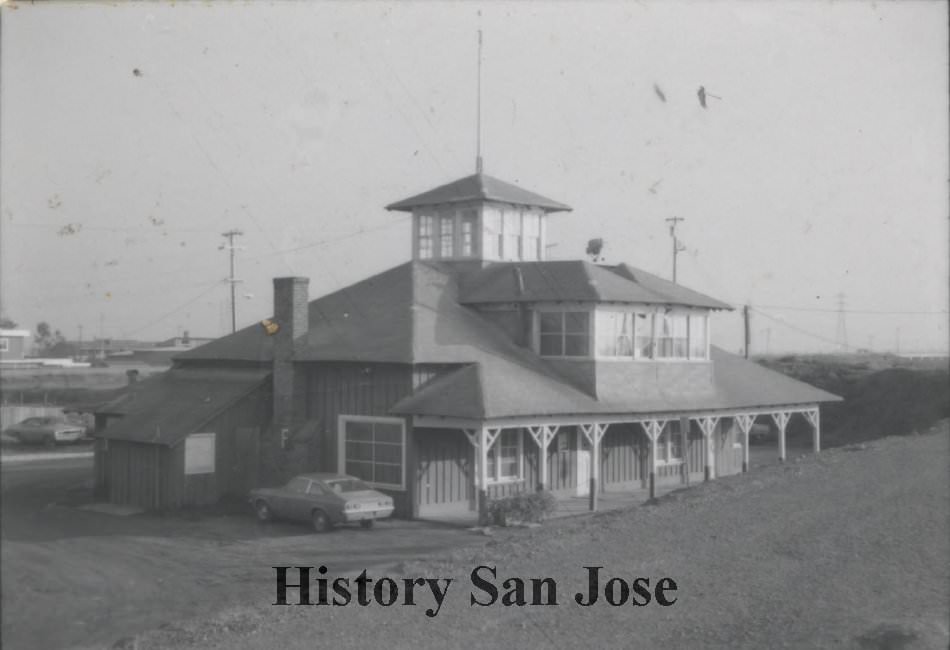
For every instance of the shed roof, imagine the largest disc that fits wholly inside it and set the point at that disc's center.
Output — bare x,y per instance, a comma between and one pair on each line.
478,187
576,280
165,408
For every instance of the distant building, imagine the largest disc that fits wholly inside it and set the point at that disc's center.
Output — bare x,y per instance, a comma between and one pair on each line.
477,370
13,344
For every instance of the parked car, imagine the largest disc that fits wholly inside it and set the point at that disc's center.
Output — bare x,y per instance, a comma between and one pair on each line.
46,430
323,500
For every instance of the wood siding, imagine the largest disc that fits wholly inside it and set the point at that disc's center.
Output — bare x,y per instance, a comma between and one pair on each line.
137,474
445,473
152,476
623,453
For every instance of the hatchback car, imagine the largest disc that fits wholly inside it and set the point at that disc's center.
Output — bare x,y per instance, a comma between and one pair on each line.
323,500
46,430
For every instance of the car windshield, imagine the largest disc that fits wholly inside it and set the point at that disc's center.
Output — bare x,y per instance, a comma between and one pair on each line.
347,485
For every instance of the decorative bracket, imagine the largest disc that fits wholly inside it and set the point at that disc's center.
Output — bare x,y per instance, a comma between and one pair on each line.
594,432
708,425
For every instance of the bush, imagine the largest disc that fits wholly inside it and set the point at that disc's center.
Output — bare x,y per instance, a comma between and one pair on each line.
521,507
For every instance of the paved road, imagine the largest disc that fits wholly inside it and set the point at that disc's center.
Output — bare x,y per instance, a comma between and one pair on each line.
73,577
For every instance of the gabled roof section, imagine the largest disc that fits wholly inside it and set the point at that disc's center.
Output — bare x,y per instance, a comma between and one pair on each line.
478,187
493,390
575,280
165,408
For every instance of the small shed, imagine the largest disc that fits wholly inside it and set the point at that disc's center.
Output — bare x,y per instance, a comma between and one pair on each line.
182,438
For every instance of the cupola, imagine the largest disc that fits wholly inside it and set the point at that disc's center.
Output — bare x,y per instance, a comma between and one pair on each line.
478,219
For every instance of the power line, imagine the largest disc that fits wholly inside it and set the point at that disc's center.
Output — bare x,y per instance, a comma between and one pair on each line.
841,328
857,311
803,331
213,285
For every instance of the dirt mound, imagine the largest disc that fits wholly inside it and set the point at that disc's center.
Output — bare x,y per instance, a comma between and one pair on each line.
883,396
892,402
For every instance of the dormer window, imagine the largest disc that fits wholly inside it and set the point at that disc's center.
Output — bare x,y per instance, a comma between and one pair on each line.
426,234
469,233
672,337
564,333
531,242
447,236
647,334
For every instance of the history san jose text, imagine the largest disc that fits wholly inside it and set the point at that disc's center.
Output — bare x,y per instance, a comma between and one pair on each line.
314,586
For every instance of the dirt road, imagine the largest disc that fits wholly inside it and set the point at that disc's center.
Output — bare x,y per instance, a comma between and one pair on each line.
73,577
847,550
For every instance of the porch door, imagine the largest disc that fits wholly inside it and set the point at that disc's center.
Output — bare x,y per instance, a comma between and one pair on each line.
583,465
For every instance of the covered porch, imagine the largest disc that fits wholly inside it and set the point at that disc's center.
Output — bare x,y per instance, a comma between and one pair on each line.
589,462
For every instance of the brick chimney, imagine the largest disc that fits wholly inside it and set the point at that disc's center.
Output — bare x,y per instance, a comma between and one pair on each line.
291,312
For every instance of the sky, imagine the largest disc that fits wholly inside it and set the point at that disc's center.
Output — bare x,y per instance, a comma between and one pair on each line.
133,135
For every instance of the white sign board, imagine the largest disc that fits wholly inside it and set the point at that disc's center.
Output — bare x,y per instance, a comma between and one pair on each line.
199,453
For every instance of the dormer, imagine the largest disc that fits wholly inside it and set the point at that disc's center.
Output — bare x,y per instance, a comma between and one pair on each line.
479,219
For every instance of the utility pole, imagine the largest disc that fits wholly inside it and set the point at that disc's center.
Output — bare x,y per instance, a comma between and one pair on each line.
677,245
79,347
745,321
230,247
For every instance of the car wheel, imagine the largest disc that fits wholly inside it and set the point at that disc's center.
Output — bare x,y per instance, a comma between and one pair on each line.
367,523
50,441
262,510
321,523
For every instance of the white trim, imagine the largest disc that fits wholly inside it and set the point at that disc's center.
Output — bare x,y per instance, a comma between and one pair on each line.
437,422
341,446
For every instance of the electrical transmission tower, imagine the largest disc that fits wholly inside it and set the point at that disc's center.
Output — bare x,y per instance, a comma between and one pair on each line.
232,281
678,246
841,330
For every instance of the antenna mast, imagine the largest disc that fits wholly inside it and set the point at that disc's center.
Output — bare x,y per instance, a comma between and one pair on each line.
478,113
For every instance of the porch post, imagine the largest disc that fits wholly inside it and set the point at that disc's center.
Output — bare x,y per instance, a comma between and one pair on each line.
594,433
482,474
653,429
781,421
813,417
708,426
542,436
745,426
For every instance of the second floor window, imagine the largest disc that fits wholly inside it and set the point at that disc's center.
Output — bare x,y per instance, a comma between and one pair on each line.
426,225
564,334
672,336
614,333
531,244
469,225
447,236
